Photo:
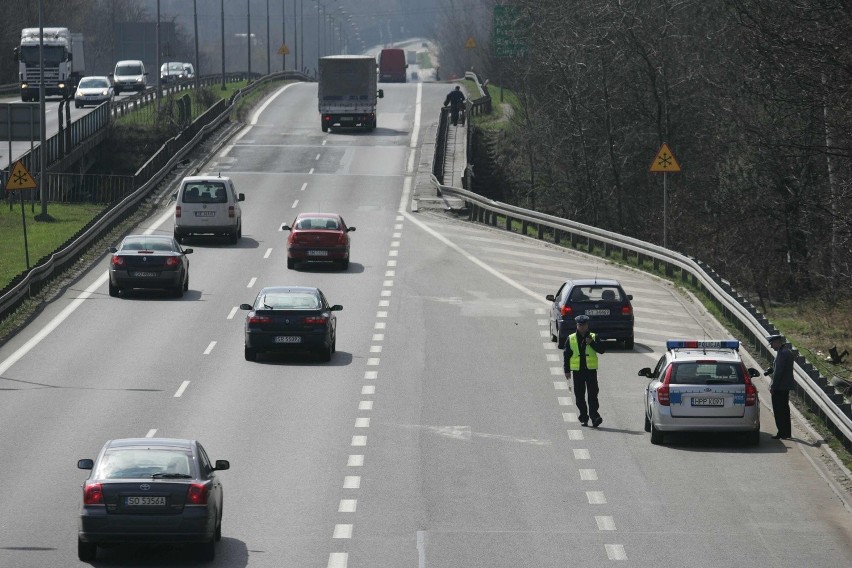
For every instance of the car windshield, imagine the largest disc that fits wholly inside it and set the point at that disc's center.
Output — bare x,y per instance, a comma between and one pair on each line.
205,192
288,301
595,294
128,463
147,244
93,83
317,223
128,70
706,373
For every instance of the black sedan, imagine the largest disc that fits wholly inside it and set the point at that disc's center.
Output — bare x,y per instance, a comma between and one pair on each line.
290,318
149,261
603,300
151,490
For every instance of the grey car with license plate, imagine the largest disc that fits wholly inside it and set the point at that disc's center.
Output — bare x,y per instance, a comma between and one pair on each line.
152,491
701,386
290,318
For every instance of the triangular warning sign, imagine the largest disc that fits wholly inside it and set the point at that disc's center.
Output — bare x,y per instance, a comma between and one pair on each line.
665,161
20,178
471,43
283,50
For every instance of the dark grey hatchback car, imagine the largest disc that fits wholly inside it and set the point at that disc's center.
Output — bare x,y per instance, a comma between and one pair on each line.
151,490
603,300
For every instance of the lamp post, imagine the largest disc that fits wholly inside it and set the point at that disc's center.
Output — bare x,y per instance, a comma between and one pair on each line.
159,88
195,23
319,32
248,37
223,44
268,44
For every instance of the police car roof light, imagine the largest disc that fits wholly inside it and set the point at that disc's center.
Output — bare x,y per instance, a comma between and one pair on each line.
702,344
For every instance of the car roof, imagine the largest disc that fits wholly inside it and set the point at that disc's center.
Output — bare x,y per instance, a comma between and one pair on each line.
150,442
593,282
190,179
324,215
129,62
158,237
721,350
94,77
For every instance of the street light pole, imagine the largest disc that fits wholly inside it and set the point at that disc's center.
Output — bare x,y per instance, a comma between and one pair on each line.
195,21
248,37
223,44
268,44
159,87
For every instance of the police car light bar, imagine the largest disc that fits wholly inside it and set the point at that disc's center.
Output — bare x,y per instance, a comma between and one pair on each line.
702,344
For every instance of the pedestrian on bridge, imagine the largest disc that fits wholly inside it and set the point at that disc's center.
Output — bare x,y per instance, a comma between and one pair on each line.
581,367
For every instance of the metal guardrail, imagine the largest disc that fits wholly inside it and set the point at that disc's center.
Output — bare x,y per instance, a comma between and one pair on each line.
151,174
811,386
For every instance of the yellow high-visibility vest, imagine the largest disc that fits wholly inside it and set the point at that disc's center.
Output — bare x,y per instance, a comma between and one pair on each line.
591,354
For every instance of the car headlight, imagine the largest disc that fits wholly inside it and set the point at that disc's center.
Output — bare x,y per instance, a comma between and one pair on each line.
78,94
105,92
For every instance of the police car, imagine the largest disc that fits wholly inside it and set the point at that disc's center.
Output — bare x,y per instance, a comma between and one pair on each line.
701,386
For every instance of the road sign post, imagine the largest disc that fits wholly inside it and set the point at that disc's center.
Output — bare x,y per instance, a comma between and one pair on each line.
21,180
664,162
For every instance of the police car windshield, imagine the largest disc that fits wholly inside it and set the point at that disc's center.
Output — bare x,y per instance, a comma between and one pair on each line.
706,373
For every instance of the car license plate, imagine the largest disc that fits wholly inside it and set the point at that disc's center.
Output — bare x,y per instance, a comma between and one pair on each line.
205,213
347,119
597,312
133,501
317,253
144,274
288,339
708,401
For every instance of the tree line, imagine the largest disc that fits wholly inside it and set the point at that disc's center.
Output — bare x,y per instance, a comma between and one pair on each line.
754,98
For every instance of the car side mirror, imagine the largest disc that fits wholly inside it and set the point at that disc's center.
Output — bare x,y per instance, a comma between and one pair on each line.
187,251
336,308
629,296
286,228
248,307
111,75
112,249
550,298
85,464
222,465
350,229
174,196
645,372
381,93
753,372
241,197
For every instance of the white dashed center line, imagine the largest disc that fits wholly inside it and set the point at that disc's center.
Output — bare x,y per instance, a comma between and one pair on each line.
251,282
347,506
151,433
210,348
181,389
233,312
268,252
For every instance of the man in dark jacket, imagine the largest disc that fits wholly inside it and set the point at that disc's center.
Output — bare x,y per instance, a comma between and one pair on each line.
456,100
581,365
782,383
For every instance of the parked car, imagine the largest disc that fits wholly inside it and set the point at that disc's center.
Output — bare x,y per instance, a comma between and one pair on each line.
701,386
129,75
208,205
151,262
93,90
290,318
605,302
151,490
318,237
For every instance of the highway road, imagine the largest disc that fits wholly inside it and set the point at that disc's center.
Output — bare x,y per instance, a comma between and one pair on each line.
442,433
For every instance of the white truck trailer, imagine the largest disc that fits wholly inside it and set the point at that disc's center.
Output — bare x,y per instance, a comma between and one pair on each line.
64,62
348,91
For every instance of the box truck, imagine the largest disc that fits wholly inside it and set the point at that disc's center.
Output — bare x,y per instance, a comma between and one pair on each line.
347,91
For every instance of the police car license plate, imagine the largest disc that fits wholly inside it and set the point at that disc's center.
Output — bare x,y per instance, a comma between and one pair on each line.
702,401
597,312
288,339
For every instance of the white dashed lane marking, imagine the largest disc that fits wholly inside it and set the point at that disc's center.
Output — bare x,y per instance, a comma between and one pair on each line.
347,506
181,389
210,348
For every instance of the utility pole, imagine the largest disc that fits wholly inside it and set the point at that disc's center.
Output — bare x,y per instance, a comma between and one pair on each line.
223,44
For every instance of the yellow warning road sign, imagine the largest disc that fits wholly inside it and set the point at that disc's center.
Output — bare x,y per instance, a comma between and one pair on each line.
665,161
471,43
20,178
283,50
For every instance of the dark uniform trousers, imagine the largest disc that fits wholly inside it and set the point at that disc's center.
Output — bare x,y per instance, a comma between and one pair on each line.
586,382
781,410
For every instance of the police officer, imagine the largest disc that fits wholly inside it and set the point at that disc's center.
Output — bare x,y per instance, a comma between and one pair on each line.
455,99
781,384
581,365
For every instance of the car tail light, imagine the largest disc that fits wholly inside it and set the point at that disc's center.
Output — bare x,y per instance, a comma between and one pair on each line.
566,311
626,310
327,118
751,390
177,210
316,320
196,494
172,262
341,240
231,212
663,390
118,261
259,319
93,494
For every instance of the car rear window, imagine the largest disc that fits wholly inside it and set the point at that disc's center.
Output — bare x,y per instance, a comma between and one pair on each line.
143,462
288,302
207,192
318,223
706,373
596,294
147,244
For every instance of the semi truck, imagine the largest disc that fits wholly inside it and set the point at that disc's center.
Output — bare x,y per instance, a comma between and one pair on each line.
347,89
64,62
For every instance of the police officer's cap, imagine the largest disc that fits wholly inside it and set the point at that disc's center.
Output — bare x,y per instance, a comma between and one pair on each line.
581,319
775,337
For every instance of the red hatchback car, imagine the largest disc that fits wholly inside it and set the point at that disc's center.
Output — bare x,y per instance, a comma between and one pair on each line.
318,237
